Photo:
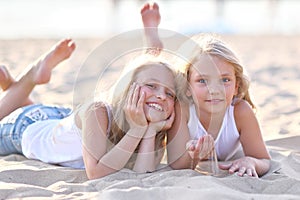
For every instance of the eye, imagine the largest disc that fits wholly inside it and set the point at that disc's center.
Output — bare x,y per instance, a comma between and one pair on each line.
149,85
225,80
170,94
202,80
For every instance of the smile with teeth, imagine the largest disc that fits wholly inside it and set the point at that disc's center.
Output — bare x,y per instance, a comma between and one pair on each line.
155,106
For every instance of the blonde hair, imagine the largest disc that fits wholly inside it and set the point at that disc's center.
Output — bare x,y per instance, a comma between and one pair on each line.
116,99
118,94
211,45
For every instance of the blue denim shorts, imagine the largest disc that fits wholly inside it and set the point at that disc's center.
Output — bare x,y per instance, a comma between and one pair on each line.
13,125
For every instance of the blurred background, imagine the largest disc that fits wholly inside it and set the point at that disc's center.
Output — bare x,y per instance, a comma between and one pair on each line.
265,33
103,18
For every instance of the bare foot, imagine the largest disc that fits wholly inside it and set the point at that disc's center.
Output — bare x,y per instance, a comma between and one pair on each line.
44,65
5,78
151,19
150,15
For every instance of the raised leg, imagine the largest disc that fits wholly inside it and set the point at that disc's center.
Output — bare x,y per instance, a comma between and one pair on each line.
17,93
151,19
5,78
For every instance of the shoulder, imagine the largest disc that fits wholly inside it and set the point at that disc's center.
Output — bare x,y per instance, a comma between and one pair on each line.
242,108
243,112
99,109
96,110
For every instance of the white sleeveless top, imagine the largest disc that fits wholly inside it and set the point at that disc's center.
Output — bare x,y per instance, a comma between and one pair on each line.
55,141
227,142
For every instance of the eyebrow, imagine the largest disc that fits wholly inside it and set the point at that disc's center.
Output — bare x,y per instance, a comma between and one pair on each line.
158,81
205,75
227,74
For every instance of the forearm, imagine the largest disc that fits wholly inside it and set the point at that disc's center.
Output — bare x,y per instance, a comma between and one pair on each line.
146,160
116,158
119,155
178,157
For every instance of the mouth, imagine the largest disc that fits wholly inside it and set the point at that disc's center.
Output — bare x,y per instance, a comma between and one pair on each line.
214,100
155,106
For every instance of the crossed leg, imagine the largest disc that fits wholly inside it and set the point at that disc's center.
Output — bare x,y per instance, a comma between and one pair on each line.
16,93
6,81
5,78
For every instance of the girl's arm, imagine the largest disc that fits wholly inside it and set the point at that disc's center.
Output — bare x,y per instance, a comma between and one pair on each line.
146,161
148,156
98,161
257,159
178,136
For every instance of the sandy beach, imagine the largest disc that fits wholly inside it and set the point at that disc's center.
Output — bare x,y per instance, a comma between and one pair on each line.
272,63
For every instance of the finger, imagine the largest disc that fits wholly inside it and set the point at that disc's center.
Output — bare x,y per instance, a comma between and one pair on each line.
233,168
225,166
172,117
199,148
249,172
204,149
140,101
242,171
211,140
130,94
199,143
170,120
135,96
254,173
207,147
190,146
209,143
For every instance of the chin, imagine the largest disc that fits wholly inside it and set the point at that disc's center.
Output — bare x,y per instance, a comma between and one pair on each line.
156,116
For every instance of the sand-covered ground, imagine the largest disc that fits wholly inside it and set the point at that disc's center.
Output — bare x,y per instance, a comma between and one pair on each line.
273,63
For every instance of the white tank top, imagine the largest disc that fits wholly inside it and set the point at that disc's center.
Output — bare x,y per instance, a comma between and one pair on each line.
56,141
227,142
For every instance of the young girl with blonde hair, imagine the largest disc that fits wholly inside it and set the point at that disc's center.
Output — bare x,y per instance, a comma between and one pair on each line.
221,113
103,136
135,122
127,130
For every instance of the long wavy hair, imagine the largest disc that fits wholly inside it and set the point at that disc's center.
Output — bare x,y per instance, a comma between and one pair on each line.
118,94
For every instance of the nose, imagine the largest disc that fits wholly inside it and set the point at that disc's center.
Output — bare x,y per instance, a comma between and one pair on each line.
160,94
215,89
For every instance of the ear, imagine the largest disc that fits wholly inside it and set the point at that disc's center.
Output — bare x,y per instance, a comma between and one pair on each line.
236,88
188,92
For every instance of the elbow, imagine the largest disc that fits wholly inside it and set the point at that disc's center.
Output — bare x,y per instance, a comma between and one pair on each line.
173,165
96,173
179,165
92,174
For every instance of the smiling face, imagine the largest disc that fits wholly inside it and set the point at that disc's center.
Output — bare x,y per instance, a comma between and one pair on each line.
213,84
157,82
